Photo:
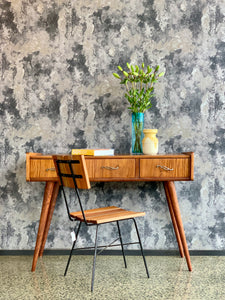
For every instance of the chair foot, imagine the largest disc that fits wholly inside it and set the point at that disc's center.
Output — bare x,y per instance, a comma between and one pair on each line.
142,252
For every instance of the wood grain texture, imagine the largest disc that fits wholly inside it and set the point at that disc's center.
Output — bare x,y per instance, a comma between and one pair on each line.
130,167
114,168
29,156
175,207
106,214
172,215
165,168
49,216
43,219
40,168
78,169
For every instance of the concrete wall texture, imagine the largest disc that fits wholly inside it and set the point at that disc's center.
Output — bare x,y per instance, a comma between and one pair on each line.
57,92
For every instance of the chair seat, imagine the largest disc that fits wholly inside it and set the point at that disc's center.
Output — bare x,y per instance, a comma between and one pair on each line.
106,214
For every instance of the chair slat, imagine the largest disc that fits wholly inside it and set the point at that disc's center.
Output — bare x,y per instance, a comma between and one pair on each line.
116,217
98,211
106,214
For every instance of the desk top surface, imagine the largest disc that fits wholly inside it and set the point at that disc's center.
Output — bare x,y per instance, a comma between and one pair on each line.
117,156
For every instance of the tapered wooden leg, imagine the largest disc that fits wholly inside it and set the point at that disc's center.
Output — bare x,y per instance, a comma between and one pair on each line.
170,186
179,242
43,218
49,217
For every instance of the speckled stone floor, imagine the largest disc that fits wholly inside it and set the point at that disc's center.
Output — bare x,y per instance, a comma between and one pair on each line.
169,278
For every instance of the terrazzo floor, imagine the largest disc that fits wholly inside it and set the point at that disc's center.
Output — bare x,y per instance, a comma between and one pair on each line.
169,278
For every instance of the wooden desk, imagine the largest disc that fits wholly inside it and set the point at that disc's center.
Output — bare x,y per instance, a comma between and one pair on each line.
166,168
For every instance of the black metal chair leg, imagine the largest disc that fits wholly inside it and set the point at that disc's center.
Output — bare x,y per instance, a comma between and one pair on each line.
121,242
93,269
141,247
71,251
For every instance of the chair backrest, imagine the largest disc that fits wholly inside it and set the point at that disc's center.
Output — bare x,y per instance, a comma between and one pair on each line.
72,172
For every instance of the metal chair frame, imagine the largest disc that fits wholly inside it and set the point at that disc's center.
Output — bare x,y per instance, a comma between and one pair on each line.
96,247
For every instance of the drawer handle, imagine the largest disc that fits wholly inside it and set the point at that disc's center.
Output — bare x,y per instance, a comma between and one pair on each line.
50,169
164,168
110,168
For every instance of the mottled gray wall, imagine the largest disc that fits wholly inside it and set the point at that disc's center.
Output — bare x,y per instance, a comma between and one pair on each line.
57,93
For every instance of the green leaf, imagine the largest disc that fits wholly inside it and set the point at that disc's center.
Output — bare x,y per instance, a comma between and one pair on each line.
148,69
161,74
116,75
132,68
128,65
157,68
143,65
119,67
123,81
125,73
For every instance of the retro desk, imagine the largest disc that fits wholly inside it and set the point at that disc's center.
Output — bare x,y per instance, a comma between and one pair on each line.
166,168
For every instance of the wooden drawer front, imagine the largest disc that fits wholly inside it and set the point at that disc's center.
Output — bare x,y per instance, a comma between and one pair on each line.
42,169
114,168
165,168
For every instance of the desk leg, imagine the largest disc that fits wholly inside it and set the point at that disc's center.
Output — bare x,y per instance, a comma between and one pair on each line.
170,187
49,217
179,242
43,218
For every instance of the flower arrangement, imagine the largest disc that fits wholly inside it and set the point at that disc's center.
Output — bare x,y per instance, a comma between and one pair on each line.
139,85
139,82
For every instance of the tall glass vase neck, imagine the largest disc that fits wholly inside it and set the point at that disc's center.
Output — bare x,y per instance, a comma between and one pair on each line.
137,132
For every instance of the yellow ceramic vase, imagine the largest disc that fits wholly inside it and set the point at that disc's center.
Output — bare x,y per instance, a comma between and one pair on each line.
150,142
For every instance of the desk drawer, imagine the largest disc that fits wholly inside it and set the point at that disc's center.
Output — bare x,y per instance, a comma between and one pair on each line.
42,169
113,168
171,168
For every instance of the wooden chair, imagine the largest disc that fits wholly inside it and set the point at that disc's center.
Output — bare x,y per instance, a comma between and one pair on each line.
73,173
